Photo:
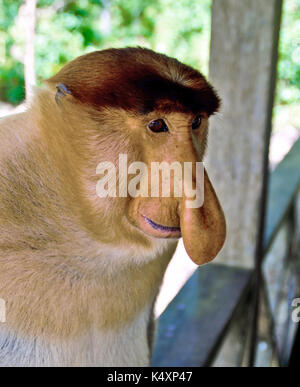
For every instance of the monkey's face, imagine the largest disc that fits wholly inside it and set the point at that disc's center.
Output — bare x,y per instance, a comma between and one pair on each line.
168,142
139,140
175,142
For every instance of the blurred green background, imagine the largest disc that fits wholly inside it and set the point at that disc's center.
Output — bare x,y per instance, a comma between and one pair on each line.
181,28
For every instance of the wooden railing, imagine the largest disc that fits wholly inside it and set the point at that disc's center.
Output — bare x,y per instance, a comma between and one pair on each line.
238,312
194,326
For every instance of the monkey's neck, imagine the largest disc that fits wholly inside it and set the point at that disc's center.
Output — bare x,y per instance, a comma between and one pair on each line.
128,346
59,313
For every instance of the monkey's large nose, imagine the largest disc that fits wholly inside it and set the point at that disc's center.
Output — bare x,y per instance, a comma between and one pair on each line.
203,229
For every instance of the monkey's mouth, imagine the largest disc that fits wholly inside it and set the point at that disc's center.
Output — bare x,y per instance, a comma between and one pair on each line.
160,231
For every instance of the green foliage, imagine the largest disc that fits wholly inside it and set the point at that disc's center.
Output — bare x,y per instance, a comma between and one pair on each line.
8,12
181,28
12,83
289,63
11,70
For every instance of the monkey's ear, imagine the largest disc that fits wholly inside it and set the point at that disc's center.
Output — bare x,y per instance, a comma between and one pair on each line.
62,91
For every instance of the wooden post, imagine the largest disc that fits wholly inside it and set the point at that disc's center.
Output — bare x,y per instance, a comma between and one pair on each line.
243,62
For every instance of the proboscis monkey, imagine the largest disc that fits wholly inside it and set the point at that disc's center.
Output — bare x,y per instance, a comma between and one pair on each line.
79,273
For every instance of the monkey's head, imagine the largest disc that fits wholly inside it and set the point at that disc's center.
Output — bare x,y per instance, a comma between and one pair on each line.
148,108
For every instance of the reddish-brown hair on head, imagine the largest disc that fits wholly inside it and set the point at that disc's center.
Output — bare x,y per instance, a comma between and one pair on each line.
137,79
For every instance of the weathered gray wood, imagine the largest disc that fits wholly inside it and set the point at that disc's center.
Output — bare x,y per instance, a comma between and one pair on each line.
243,63
283,188
266,349
212,287
191,328
232,351
242,67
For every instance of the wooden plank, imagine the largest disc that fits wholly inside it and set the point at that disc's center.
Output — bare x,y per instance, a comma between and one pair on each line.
190,330
283,187
235,348
215,287
295,356
243,70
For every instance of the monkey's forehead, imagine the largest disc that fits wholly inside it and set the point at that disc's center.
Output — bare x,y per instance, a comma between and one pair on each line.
137,80
157,93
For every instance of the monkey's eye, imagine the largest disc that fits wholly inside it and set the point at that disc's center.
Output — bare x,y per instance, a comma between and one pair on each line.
197,122
158,126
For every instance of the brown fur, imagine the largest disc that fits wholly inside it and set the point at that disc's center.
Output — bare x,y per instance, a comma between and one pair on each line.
49,249
138,80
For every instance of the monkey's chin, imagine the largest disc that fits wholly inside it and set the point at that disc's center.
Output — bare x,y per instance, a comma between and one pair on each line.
154,229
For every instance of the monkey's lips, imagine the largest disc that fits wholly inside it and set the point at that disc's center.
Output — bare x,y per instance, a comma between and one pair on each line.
158,230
